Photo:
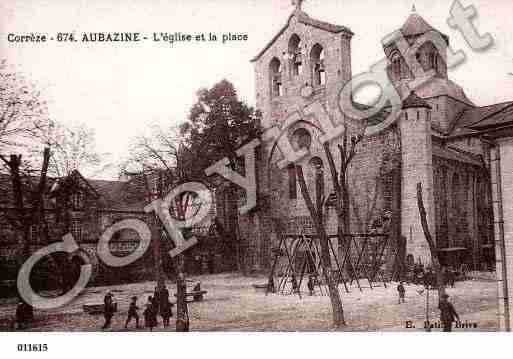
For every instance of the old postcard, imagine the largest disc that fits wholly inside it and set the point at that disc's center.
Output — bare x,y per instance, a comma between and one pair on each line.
255,166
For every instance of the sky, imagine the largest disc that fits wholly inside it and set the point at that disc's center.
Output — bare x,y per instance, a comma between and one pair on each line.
118,89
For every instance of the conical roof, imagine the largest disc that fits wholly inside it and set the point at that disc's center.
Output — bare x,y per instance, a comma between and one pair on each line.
416,25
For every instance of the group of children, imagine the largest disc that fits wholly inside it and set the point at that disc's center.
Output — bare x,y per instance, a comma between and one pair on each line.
157,304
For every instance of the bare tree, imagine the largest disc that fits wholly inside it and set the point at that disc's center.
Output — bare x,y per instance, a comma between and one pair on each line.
29,214
25,128
23,112
347,151
364,209
163,162
316,213
73,147
435,260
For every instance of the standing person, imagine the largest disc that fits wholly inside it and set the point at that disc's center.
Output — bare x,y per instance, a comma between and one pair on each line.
311,285
401,291
156,299
166,312
108,309
20,315
149,314
163,302
154,312
447,313
132,313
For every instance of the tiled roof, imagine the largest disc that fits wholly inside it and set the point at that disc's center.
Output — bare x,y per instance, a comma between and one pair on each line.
379,116
307,20
121,195
414,101
474,115
462,132
501,117
303,18
451,154
435,87
114,195
472,120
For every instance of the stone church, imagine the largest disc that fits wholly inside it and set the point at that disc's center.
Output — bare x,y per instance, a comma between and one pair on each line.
431,142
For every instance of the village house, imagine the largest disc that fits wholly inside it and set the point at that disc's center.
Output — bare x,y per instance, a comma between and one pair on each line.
85,208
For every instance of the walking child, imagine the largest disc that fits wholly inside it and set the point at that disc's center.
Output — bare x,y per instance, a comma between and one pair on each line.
401,291
108,310
149,315
132,313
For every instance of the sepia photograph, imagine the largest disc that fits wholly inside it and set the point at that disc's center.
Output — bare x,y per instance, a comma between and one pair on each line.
269,166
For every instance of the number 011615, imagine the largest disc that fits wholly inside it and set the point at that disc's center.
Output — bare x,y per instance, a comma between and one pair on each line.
32,347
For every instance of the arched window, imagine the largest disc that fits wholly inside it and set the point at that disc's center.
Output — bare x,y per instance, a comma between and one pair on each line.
295,55
316,164
318,66
396,67
433,61
77,200
275,73
301,139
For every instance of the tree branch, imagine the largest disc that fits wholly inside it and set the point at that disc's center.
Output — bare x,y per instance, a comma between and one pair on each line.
333,169
5,160
423,220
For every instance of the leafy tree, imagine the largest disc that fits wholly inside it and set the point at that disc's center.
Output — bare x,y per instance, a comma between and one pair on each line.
219,124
